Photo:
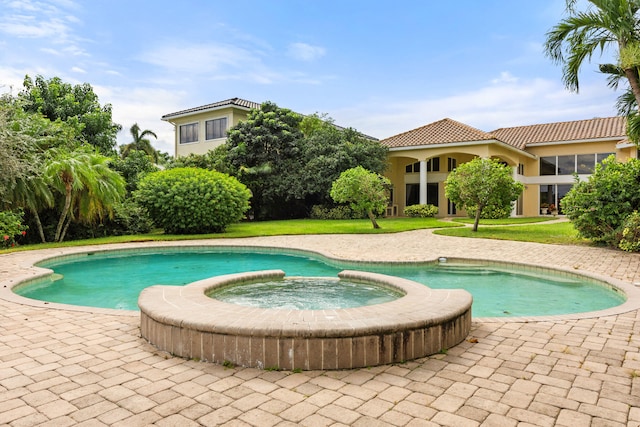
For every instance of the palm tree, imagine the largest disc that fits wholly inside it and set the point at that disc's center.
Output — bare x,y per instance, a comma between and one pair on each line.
140,143
607,24
89,186
34,195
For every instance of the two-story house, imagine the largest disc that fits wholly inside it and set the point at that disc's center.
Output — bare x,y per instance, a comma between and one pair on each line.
544,157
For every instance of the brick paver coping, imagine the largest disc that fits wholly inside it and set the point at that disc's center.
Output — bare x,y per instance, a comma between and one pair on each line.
184,321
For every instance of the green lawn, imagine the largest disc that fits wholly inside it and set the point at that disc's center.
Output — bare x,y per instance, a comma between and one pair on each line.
270,228
532,230
559,233
506,221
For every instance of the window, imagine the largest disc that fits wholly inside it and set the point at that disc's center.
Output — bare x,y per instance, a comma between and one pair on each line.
433,165
432,194
566,164
412,194
548,165
520,169
601,156
216,128
586,163
451,164
188,133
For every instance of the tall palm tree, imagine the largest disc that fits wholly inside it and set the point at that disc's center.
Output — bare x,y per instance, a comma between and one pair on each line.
606,24
89,186
140,142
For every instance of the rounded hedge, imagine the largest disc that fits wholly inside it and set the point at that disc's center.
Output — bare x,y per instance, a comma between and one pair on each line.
192,200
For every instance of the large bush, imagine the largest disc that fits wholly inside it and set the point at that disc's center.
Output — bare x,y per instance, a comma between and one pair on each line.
192,201
630,240
599,206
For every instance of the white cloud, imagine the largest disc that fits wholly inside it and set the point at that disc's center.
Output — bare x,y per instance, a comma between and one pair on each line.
78,70
305,52
506,101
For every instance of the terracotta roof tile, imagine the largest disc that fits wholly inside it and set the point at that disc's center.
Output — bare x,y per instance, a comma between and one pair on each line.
523,136
233,101
440,132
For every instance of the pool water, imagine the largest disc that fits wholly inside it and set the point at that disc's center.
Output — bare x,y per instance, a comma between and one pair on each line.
306,293
115,279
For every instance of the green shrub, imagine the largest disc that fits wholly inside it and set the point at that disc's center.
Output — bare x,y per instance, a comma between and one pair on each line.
630,240
192,201
334,212
130,218
421,211
599,206
11,227
491,212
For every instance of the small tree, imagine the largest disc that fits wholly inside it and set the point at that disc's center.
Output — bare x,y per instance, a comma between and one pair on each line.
191,201
481,184
365,191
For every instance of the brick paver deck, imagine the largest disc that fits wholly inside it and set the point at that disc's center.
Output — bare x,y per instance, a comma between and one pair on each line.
75,367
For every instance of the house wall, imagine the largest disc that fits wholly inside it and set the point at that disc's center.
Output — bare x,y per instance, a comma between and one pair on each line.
233,115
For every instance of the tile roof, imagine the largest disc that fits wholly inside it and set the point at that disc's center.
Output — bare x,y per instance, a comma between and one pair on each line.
450,131
239,102
441,132
599,128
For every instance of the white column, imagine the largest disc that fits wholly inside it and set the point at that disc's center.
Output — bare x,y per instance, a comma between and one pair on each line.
423,182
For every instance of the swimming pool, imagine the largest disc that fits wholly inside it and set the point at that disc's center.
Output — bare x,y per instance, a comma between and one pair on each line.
114,279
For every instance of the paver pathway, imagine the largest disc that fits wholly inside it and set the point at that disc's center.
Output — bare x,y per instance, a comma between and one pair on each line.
66,367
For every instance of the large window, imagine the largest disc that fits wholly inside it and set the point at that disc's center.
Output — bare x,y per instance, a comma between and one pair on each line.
570,164
552,194
188,133
215,129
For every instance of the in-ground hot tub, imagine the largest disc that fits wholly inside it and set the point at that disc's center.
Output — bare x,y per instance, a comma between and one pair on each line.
185,322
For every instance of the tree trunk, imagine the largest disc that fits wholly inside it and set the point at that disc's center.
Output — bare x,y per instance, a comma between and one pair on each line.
632,77
64,229
65,212
372,217
39,224
477,221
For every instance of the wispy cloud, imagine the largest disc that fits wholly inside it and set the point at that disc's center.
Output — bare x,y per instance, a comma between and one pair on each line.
305,52
503,102
51,21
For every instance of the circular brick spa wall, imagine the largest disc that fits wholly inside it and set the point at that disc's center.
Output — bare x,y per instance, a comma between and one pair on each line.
185,322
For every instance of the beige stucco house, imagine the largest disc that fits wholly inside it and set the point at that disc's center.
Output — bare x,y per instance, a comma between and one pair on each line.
543,157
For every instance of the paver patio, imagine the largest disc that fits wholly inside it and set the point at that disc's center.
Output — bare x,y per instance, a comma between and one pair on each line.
76,367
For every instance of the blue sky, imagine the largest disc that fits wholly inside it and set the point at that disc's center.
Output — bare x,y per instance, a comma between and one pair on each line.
380,67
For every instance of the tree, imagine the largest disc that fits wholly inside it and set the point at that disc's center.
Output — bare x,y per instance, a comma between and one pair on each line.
262,151
326,152
364,190
88,186
482,184
77,105
607,24
140,142
133,167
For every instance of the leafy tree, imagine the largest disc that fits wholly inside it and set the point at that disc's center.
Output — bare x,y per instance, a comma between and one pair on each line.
599,206
610,24
140,142
262,151
191,201
215,159
133,167
482,184
364,190
77,105
326,152
89,187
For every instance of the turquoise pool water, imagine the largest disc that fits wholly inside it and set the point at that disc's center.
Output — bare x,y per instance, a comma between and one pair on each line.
306,293
115,279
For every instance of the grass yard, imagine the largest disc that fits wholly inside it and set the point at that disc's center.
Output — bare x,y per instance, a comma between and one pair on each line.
559,233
